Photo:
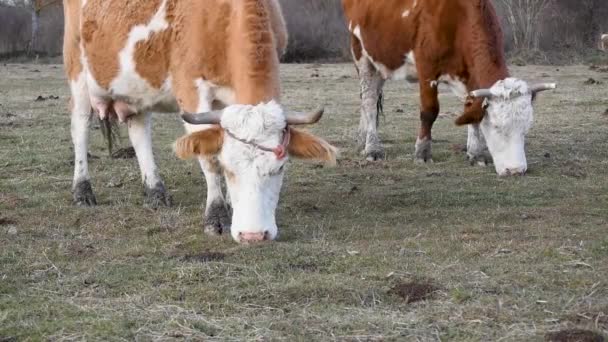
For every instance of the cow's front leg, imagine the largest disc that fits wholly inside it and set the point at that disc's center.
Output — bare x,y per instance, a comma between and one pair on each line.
371,82
140,134
477,150
81,114
429,110
217,219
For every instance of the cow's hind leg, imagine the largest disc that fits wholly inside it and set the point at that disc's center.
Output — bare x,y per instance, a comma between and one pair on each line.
477,150
81,114
429,110
371,82
140,134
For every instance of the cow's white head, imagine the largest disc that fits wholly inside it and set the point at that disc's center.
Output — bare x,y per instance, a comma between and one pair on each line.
252,144
505,117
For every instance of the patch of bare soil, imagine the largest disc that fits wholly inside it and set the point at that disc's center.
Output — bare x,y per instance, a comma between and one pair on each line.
592,81
124,153
414,291
80,249
6,221
598,68
10,200
204,257
574,335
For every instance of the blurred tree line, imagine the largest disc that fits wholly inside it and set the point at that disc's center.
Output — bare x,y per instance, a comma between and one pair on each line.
545,30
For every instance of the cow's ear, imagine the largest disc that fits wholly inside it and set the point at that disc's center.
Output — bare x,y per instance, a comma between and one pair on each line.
203,143
473,112
304,145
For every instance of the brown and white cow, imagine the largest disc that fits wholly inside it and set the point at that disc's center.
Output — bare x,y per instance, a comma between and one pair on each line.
456,42
127,58
604,42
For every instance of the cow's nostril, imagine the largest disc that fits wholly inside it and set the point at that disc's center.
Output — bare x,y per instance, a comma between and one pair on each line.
253,237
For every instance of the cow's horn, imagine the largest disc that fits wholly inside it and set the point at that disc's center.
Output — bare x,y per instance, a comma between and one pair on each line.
210,118
483,93
542,87
294,118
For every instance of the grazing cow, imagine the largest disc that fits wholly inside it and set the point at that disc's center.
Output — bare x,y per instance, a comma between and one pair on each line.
456,42
604,42
219,58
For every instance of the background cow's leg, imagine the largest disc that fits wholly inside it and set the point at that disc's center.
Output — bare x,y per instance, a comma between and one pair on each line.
429,110
140,133
477,150
81,114
371,89
217,218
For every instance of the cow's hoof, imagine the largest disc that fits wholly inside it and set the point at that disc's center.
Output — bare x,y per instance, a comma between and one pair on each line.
157,197
217,220
83,194
424,160
423,151
375,155
479,160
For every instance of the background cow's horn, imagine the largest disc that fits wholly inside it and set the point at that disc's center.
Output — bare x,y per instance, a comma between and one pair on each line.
542,87
484,93
294,118
210,118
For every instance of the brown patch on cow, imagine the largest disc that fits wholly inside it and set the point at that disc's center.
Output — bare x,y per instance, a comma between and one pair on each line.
152,58
206,143
106,25
414,291
71,39
304,145
574,335
204,257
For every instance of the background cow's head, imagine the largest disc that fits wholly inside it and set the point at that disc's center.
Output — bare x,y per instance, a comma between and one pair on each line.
505,114
252,145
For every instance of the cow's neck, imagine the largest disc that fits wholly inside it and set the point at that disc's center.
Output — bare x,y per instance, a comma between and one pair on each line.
253,54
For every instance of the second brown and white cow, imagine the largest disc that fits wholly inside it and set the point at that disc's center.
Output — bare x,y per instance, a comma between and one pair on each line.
128,58
455,42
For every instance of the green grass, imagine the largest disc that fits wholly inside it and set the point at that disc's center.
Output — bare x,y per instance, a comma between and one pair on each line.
512,259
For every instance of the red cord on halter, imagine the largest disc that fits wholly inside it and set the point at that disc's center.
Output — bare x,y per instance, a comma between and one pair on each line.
280,151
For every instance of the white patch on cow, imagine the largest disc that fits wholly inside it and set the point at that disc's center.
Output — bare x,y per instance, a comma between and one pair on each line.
407,68
81,113
140,134
129,84
258,175
405,13
455,84
509,116
350,26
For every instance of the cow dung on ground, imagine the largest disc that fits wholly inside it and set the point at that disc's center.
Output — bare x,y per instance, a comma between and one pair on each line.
574,335
414,291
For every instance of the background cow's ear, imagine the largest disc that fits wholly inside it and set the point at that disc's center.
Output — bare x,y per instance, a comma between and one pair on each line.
203,143
473,112
307,146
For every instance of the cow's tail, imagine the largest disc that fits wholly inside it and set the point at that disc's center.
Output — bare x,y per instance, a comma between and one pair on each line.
380,106
110,131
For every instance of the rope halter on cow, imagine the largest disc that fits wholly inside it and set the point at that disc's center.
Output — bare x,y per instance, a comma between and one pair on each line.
280,151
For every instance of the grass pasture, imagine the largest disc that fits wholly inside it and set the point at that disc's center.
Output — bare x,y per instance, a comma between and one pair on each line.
367,251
